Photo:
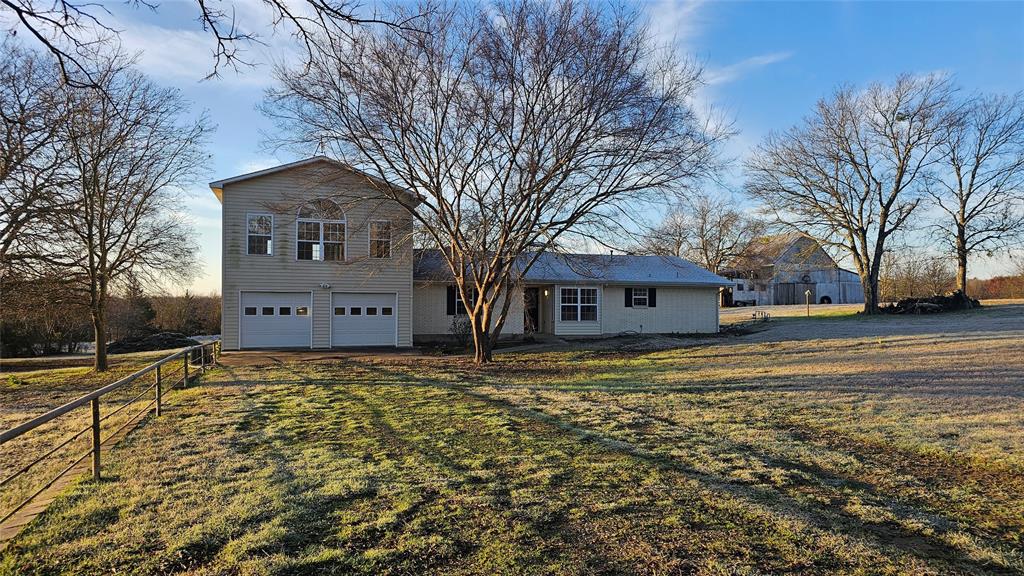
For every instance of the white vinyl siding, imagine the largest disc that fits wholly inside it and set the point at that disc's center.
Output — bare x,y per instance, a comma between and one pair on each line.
430,316
282,272
679,309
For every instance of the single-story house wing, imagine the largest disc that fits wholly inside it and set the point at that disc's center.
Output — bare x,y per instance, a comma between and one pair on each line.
582,295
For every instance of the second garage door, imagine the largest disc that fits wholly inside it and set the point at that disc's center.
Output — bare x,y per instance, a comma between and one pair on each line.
363,319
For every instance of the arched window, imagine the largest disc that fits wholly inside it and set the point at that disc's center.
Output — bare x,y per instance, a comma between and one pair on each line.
320,232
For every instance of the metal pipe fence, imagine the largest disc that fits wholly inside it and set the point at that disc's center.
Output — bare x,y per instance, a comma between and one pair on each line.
168,374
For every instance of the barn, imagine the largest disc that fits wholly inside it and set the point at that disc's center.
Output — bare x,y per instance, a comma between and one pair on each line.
789,269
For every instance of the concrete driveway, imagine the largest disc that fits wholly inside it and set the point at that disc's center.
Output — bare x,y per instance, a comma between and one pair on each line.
269,357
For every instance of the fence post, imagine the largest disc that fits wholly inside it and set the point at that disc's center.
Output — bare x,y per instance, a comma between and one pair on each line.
184,381
96,439
159,394
202,357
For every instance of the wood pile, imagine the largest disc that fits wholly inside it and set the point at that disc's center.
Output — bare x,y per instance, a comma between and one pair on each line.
932,305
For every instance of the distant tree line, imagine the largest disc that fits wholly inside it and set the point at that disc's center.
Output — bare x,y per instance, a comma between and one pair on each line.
998,287
1007,286
42,318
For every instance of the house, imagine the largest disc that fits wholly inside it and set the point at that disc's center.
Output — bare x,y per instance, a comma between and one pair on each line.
581,295
314,256
782,269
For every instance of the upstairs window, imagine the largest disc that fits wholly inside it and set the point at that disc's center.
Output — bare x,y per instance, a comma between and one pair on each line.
380,239
320,232
260,234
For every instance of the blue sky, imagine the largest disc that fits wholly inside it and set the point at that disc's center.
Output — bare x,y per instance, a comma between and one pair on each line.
766,65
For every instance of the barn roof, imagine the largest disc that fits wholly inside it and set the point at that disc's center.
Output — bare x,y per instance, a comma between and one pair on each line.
551,267
766,250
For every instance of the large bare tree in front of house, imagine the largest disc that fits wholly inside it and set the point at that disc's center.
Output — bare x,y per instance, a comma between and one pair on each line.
979,185
853,172
707,230
131,150
31,155
516,125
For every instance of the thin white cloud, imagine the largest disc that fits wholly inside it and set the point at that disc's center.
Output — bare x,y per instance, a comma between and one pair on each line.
677,22
176,55
725,74
255,165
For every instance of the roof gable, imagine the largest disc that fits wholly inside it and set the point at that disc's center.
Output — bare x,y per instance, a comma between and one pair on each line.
781,250
218,186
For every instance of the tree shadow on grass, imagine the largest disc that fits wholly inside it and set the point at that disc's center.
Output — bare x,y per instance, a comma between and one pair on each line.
448,474
832,518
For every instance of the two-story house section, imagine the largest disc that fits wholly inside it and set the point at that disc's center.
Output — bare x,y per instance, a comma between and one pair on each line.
313,257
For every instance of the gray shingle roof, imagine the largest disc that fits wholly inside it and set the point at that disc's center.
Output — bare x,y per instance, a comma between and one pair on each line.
594,268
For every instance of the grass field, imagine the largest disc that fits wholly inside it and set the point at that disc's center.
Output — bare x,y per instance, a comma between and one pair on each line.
893,446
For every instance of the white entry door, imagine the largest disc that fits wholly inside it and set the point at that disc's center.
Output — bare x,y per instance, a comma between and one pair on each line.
363,319
276,320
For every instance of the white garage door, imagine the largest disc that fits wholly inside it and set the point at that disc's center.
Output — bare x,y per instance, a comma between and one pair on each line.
363,319
276,320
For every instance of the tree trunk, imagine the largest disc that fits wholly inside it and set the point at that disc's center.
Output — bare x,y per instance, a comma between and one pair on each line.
481,344
961,260
870,286
99,326
99,329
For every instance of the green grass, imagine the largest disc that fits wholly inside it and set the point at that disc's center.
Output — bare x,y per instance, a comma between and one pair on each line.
881,455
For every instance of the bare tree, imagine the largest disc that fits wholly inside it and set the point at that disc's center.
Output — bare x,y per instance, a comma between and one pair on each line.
31,157
853,172
707,230
73,30
130,152
516,125
911,272
979,188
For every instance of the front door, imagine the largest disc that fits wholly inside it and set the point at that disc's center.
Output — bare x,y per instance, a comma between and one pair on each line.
531,310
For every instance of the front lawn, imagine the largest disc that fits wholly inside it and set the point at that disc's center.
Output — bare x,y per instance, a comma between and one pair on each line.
901,454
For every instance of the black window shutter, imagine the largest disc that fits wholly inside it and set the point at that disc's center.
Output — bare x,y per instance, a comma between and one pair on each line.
629,297
652,297
452,295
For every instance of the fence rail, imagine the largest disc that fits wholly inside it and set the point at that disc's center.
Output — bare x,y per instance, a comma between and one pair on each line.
206,354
